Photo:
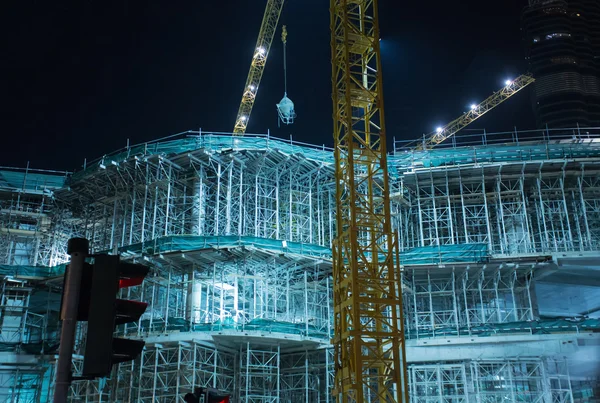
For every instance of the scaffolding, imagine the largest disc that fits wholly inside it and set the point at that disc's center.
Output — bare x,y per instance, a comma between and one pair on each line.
522,208
491,381
33,229
237,232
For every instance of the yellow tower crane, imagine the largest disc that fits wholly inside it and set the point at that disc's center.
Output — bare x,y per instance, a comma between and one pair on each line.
476,111
369,344
257,66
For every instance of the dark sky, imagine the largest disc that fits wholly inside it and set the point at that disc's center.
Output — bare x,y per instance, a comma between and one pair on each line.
80,77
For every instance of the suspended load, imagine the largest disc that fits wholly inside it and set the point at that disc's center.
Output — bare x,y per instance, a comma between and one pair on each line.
285,107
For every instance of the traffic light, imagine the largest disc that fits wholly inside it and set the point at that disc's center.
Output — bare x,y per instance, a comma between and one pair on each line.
210,396
105,311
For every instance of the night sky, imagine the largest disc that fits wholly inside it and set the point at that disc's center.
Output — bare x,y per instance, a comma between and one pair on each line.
81,77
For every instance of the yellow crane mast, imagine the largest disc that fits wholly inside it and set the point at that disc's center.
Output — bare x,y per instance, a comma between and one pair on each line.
476,111
257,66
369,344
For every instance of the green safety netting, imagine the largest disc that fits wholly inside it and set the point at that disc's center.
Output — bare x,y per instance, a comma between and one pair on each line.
182,243
31,271
31,181
496,153
542,326
213,142
399,162
461,253
228,324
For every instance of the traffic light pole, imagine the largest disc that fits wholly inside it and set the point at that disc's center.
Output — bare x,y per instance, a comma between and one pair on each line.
78,249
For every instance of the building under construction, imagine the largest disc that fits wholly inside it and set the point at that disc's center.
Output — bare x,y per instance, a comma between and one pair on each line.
499,248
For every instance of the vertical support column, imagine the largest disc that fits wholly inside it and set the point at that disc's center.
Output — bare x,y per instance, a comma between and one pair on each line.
440,384
487,212
583,207
449,201
157,349
528,245
306,380
327,377
229,201
479,287
241,218
218,200
214,296
331,205
310,211
512,292
319,210
222,299
502,237
455,304
306,302
247,371
277,220
195,360
236,294
114,223
511,382
543,213
184,212
496,282
565,206
291,207
168,204
577,219
532,297
215,366
278,373
131,221
431,312
178,380
462,204
434,204
201,201
547,388
256,206
415,306
287,296
475,380
190,308
155,212
420,208
168,299
124,220
329,335
465,282
140,374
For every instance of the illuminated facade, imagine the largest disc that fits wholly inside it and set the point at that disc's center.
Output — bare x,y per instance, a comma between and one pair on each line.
237,230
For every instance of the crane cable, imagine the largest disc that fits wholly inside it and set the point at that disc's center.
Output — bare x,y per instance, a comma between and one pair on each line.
284,40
